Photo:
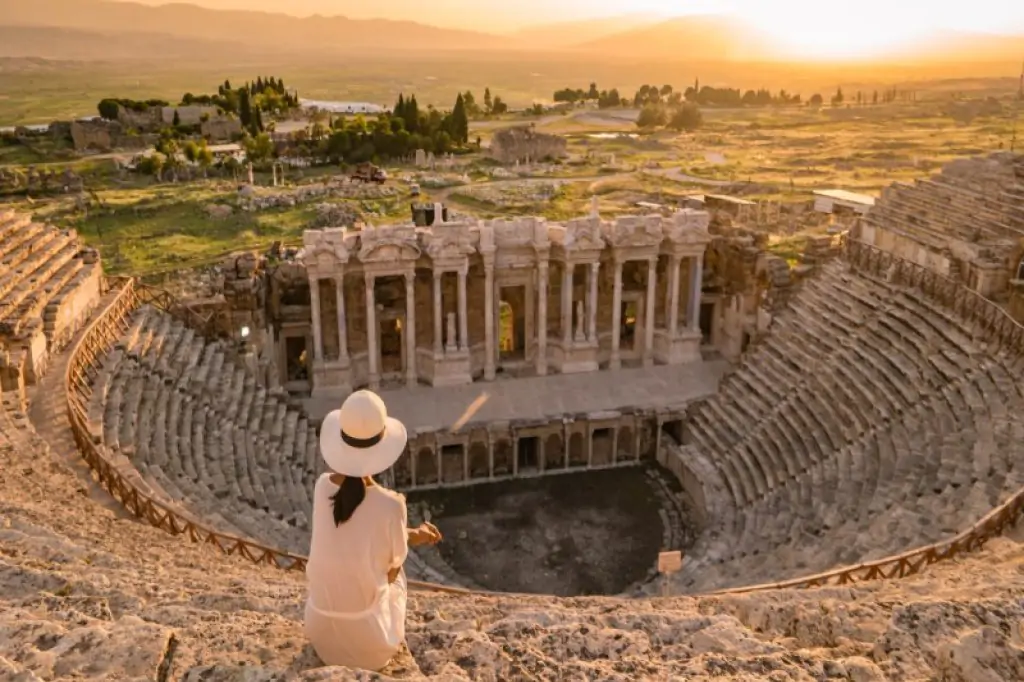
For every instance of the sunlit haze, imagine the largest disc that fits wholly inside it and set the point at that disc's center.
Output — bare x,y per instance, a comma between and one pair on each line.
836,28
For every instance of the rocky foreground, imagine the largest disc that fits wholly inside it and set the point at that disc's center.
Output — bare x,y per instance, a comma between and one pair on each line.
86,594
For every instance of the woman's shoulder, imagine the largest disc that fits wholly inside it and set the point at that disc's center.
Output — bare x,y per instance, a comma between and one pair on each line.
395,498
325,481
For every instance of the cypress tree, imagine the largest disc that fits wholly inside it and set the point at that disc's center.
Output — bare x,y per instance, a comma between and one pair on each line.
400,107
412,115
244,108
460,123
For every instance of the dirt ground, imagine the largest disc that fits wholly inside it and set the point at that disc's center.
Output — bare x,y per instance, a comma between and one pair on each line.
589,533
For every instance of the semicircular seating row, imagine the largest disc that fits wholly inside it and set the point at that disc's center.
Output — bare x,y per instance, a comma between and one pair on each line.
206,439
869,422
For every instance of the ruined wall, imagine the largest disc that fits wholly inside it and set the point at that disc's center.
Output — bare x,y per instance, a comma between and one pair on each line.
187,115
525,144
221,128
104,136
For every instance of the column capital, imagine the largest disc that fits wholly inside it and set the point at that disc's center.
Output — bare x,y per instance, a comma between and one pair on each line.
370,278
410,277
595,266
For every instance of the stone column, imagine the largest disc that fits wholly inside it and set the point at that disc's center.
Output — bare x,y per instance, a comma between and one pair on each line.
438,314
489,320
693,305
567,307
372,332
314,306
652,271
675,264
463,320
339,294
592,318
616,361
542,318
410,329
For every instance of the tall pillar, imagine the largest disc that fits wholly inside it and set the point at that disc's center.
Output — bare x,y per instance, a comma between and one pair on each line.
592,313
372,332
339,294
489,320
696,282
438,313
410,329
567,307
652,271
675,264
463,320
616,361
542,318
314,306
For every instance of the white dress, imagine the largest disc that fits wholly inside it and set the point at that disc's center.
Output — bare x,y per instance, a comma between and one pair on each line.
353,616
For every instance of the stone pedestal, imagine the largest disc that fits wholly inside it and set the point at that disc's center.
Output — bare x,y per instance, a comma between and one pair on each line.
332,379
681,350
451,368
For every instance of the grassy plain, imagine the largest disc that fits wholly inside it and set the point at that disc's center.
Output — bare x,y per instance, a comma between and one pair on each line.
779,154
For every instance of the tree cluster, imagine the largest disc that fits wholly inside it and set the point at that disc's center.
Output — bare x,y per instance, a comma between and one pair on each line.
708,96
390,135
606,99
109,107
680,116
492,106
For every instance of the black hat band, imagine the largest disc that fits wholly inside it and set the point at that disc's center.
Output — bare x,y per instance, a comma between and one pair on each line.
362,442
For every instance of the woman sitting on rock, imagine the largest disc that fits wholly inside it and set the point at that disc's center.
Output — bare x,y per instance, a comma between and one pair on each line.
355,613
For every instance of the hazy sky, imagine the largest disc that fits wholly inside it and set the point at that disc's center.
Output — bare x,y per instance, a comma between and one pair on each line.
818,25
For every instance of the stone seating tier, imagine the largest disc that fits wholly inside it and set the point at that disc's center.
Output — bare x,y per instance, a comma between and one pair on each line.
954,203
894,429
204,435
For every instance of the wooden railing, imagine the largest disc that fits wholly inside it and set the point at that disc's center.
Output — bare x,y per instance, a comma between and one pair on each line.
83,365
104,331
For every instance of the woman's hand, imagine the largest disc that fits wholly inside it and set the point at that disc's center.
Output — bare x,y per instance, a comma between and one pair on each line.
426,534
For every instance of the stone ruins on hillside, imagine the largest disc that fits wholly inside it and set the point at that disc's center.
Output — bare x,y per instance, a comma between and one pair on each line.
523,144
966,223
49,285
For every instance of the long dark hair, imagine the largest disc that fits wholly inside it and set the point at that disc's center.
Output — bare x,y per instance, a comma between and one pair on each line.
348,498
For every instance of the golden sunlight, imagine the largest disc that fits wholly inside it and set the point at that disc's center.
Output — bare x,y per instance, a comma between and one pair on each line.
838,29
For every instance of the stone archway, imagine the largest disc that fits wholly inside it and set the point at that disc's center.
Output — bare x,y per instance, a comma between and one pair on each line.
577,450
503,457
479,464
426,467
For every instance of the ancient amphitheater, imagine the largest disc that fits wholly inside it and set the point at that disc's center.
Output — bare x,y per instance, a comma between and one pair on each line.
841,462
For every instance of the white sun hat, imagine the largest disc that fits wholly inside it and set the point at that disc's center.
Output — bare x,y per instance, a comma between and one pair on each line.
361,439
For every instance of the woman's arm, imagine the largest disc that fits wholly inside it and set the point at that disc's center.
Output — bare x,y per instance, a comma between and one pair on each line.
426,534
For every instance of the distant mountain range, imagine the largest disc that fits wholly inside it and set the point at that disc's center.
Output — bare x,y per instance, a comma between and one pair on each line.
103,30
